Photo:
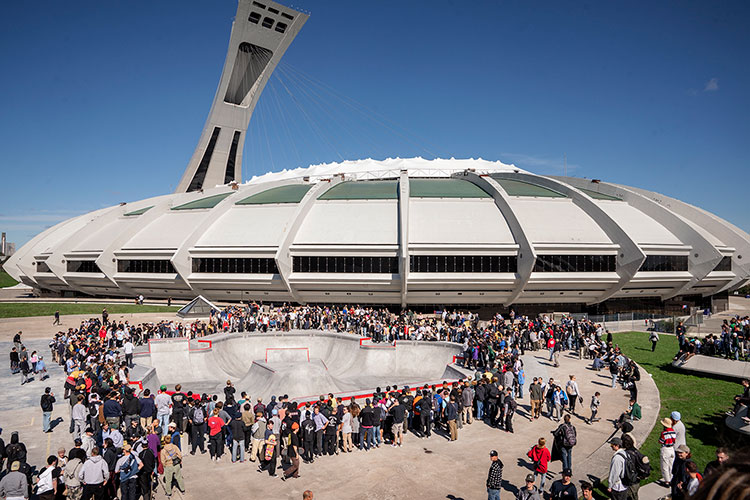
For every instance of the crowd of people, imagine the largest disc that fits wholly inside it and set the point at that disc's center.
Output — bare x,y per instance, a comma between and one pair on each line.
733,342
133,443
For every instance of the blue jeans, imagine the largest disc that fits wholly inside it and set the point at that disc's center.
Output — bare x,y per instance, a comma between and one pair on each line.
164,423
238,445
614,380
376,435
544,478
365,438
493,494
567,457
480,410
45,420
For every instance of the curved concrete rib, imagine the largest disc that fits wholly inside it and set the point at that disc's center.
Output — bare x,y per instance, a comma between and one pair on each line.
630,256
703,255
57,260
283,255
526,253
723,230
107,261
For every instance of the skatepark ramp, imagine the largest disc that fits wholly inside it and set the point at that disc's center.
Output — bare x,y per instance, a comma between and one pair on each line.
302,364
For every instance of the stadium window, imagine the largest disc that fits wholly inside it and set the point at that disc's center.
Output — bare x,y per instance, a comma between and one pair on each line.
254,265
725,264
82,266
147,266
254,17
280,27
284,14
665,263
273,11
348,265
259,5
462,263
42,267
575,264
267,22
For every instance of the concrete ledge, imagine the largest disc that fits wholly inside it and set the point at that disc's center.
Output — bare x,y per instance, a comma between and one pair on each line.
597,463
737,424
713,365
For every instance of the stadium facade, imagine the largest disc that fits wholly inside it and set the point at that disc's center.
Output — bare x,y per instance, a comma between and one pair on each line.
402,232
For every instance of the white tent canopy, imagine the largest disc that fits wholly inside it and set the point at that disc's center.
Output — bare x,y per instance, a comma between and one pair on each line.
199,307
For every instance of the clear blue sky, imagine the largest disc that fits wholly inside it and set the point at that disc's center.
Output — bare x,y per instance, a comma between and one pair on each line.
103,102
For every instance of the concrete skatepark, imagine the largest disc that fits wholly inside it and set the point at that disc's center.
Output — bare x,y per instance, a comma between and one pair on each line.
302,364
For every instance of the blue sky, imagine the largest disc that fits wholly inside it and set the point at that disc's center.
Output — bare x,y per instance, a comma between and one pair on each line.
103,102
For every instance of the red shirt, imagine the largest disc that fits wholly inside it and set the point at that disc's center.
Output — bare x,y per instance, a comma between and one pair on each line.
214,425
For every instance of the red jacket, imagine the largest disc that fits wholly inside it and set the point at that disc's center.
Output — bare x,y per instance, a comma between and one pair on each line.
541,457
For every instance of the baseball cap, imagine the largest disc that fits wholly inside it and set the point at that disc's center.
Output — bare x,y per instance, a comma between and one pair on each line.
683,448
126,447
172,425
616,441
530,478
493,453
676,415
163,388
77,442
295,426
567,472
15,465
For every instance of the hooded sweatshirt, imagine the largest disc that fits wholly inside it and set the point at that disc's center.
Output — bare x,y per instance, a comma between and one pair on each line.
94,471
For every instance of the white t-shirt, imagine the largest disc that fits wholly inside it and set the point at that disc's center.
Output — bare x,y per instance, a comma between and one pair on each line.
129,347
679,430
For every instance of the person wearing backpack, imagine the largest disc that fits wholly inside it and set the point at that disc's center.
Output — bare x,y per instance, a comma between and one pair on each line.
128,467
198,428
566,436
637,466
617,490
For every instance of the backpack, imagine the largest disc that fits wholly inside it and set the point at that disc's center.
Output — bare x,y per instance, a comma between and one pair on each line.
198,416
569,436
641,467
630,474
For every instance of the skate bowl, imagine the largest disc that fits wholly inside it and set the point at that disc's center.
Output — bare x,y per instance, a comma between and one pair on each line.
302,364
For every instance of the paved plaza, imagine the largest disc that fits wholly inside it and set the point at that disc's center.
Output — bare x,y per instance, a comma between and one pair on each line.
422,468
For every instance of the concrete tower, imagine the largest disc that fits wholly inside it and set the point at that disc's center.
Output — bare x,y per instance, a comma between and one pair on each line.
261,33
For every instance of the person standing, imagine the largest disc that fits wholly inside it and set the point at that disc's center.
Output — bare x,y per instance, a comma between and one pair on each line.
451,414
654,338
566,434
540,456
679,428
14,485
128,347
94,474
509,409
128,467
617,490
57,318
494,477
47,403
171,459
537,395
163,405
529,491
571,388
563,489
293,454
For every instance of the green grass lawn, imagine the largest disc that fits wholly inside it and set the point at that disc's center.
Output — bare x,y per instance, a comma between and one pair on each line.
6,280
701,400
28,309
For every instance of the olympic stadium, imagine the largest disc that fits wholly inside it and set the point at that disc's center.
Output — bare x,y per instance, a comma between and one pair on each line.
402,232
